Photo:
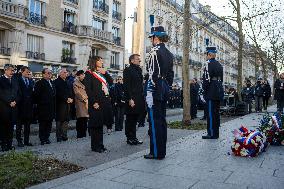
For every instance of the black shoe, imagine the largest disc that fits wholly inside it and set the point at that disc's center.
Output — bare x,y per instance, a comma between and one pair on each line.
42,143
207,137
65,138
118,129
59,140
20,144
131,142
47,142
138,141
28,144
150,156
98,150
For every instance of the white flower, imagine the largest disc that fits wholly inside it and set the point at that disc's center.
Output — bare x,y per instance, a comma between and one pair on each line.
236,146
244,152
257,138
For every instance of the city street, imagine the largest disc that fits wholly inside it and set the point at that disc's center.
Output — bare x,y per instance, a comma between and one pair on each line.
190,163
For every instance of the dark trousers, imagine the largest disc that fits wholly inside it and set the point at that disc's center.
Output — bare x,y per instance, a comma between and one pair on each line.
280,105
130,126
142,117
265,102
61,130
213,118
44,130
258,103
81,127
248,106
27,124
158,130
6,135
97,141
193,110
119,117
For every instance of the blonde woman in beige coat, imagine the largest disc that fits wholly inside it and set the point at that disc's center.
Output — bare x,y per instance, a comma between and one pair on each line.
81,104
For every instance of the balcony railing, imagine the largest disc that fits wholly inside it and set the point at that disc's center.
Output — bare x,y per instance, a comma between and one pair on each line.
37,19
69,60
116,15
14,10
5,51
101,7
115,66
117,40
76,2
35,55
69,27
95,33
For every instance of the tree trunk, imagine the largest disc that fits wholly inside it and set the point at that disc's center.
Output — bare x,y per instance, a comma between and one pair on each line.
240,50
187,27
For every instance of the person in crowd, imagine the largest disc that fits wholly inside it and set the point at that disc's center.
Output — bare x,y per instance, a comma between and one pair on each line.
247,96
9,100
71,79
162,77
279,92
119,103
25,114
97,82
194,88
64,98
44,97
81,104
258,94
214,92
135,104
266,94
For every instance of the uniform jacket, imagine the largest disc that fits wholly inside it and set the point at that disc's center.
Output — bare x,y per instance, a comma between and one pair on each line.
247,93
44,97
258,90
81,99
165,79
133,86
9,92
279,93
63,92
266,91
213,87
26,102
194,88
103,115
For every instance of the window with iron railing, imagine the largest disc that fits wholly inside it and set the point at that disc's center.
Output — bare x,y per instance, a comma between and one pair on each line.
68,52
100,5
98,24
69,22
114,61
35,46
37,12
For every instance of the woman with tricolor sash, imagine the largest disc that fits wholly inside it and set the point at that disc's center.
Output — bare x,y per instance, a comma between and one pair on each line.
97,83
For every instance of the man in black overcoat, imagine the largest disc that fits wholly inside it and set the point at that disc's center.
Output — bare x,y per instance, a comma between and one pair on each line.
135,104
25,115
44,97
9,100
64,99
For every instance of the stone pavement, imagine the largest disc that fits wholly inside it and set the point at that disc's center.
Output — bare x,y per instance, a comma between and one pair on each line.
190,163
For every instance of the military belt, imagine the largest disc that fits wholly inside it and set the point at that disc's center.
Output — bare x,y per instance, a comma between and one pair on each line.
216,78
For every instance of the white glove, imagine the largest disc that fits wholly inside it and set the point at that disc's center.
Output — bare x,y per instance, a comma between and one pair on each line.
149,99
202,98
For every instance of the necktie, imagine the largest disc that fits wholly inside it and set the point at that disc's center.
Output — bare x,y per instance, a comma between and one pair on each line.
27,82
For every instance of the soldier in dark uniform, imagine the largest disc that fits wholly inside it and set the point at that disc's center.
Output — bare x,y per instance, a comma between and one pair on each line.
247,96
214,92
160,72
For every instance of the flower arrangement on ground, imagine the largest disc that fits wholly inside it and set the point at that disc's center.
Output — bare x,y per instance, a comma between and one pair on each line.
248,143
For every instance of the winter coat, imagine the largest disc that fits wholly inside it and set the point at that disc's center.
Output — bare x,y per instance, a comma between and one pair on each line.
81,99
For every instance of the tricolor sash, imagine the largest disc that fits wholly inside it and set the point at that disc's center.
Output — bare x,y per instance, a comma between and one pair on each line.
102,80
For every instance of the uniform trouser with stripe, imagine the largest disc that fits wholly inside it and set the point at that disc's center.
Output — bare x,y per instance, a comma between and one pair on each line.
213,117
158,138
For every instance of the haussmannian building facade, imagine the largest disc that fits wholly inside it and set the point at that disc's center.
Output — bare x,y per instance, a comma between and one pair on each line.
206,27
62,33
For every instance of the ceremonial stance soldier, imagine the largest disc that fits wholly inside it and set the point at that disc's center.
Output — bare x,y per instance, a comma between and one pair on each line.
214,92
160,71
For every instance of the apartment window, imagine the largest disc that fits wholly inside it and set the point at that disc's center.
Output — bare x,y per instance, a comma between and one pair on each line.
115,6
2,38
34,43
95,52
98,24
114,58
37,7
69,17
68,49
115,31
98,3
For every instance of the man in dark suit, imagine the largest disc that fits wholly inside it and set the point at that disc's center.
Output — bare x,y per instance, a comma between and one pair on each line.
44,96
64,98
9,99
194,88
25,114
214,93
135,104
